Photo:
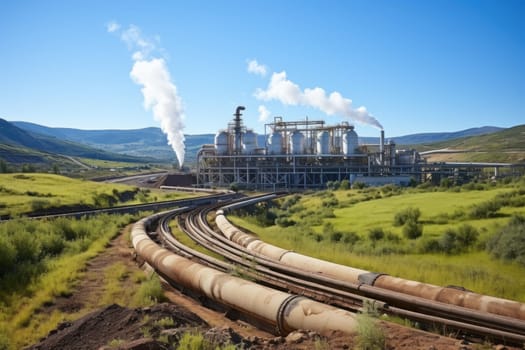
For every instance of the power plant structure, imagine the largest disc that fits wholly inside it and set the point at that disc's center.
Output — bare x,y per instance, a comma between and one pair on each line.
300,155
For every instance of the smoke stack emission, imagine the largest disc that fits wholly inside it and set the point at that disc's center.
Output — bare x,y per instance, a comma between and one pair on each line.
160,94
282,89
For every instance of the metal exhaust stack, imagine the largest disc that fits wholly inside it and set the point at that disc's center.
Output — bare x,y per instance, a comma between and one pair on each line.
382,147
238,128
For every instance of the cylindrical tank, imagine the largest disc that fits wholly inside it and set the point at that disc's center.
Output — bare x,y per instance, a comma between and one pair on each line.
350,142
323,142
221,142
275,143
249,142
297,142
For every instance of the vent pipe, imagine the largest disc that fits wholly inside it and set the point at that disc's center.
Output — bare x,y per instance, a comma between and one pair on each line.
237,128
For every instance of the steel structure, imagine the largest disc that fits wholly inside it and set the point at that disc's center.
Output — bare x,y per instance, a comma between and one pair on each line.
308,154
296,154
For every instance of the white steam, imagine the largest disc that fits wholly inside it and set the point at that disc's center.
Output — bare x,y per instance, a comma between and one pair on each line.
264,113
160,94
289,93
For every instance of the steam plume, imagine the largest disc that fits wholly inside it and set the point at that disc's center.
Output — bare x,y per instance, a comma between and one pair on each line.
289,93
264,113
160,94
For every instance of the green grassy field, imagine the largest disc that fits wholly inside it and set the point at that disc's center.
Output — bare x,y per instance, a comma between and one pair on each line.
22,193
337,226
44,259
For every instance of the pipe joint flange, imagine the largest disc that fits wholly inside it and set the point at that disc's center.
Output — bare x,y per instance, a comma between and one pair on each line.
281,312
369,278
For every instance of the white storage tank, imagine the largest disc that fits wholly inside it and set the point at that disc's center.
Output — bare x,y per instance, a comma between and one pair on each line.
249,143
221,142
323,142
297,142
275,143
350,142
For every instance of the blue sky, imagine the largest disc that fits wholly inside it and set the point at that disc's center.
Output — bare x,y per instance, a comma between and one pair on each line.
416,66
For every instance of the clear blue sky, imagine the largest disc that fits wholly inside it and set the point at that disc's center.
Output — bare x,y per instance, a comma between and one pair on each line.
417,66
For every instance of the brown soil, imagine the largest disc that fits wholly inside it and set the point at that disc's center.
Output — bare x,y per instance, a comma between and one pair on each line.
112,326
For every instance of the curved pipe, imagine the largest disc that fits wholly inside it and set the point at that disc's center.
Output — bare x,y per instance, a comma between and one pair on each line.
284,311
449,295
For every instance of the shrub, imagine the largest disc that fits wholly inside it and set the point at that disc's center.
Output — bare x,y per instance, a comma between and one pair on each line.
345,185
405,215
290,201
412,229
358,185
376,234
7,256
370,336
150,292
467,235
40,204
447,243
333,185
350,238
509,243
330,202
284,222
485,210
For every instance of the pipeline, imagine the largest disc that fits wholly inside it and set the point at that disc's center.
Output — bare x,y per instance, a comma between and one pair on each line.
450,295
283,311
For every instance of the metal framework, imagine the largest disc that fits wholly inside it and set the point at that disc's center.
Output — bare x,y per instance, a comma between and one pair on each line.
230,161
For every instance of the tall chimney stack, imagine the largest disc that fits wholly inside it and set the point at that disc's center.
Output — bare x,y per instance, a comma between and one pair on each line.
382,147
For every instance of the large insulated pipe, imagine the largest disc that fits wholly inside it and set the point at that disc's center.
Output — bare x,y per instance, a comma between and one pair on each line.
450,295
286,312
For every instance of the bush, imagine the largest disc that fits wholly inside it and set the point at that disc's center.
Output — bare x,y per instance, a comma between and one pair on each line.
345,185
370,336
150,292
376,234
447,243
412,229
350,238
467,235
509,243
284,222
485,210
7,256
408,214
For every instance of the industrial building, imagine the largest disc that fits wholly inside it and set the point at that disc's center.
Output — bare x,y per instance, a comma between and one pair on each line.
300,155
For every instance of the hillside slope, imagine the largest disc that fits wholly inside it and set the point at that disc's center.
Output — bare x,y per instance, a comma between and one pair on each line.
151,142
507,146
18,138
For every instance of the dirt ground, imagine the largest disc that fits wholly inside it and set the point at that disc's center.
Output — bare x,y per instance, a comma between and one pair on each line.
105,325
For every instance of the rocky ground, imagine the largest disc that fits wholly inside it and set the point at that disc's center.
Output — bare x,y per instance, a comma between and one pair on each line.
163,325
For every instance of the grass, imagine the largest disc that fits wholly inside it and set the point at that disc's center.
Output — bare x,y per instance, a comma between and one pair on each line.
23,193
21,308
361,211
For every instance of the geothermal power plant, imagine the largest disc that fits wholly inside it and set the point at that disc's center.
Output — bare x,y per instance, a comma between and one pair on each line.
300,154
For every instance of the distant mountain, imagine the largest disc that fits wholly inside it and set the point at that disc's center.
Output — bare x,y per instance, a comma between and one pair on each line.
444,136
431,137
18,138
151,142
507,146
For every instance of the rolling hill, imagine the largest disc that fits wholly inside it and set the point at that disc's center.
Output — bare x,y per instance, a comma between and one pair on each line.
507,146
22,146
151,142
